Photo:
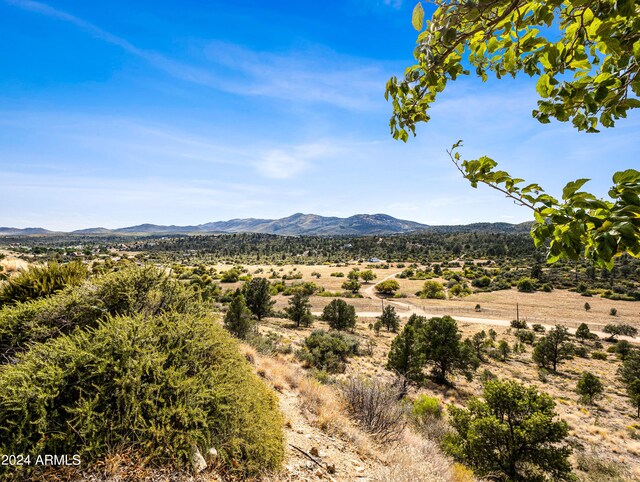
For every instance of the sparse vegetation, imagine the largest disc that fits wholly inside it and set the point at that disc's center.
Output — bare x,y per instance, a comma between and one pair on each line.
374,404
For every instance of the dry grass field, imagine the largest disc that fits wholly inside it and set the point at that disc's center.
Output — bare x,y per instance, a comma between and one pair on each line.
605,437
324,443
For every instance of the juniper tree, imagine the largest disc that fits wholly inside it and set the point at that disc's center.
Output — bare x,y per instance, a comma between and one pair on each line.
299,309
552,348
512,434
389,318
340,315
238,318
589,388
258,297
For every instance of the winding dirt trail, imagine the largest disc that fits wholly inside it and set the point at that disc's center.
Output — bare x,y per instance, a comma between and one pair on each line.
405,309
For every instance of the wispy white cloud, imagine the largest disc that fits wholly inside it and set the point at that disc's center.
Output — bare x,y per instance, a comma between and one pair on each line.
393,3
278,164
311,75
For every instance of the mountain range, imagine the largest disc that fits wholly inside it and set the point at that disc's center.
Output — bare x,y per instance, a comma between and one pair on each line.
295,225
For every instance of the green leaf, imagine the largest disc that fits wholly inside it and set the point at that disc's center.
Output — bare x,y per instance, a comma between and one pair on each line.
543,87
571,188
630,175
417,18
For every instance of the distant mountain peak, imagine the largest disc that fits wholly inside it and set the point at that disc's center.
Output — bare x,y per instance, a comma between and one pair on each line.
297,224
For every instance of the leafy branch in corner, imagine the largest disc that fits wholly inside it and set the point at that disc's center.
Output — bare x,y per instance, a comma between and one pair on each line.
579,224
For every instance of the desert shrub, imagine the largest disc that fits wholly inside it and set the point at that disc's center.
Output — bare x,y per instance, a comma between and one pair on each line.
374,404
132,290
486,375
230,276
158,385
482,282
328,350
589,388
538,328
581,351
427,419
598,355
526,285
40,281
519,324
270,344
599,468
526,336
425,408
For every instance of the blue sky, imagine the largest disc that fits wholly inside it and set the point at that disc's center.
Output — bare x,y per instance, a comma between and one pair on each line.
123,112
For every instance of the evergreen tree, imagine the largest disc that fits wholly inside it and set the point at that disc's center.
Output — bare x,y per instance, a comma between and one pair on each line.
589,388
552,348
443,349
512,435
299,309
504,350
629,373
258,296
405,357
389,318
238,318
340,315
582,332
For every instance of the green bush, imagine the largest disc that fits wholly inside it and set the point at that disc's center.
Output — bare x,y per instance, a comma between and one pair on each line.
526,285
40,281
133,290
598,355
433,290
159,385
425,408
328,350
526,336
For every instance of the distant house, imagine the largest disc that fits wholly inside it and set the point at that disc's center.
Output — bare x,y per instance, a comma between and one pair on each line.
374,260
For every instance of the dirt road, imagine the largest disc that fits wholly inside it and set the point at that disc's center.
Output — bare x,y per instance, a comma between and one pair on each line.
406,309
